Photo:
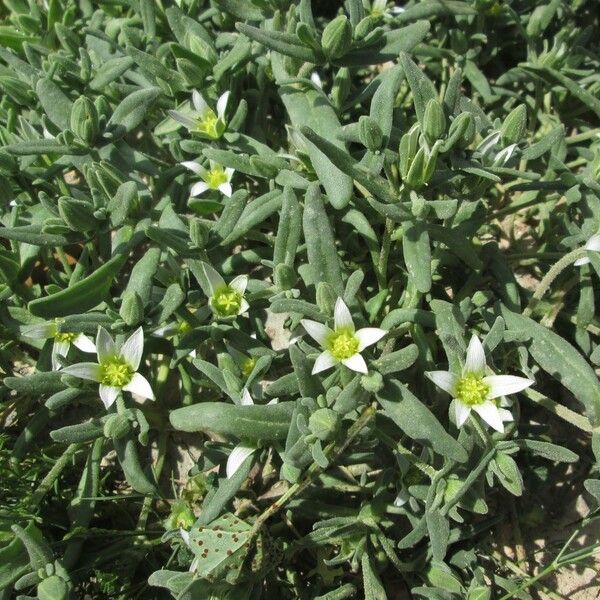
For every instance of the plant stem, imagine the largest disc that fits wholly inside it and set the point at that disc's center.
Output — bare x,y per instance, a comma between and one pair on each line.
54,473
551,275
332,453
385,254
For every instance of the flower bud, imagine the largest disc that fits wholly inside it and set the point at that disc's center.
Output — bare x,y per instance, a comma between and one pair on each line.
326,297
324,423
513,128
370,133
341,87
407,150
285,277
77,214
337,37
116,427
461,132
132,308
84,120
434,121
372,382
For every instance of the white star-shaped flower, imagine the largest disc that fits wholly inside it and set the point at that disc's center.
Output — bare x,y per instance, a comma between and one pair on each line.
116,368
62,340
203,119
593,244
226,300
342,344
472,389
216,178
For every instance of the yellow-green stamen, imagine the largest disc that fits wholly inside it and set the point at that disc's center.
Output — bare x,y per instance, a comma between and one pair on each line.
215,177
472,390
226,302
208,124
342,344
248,366
115,372
65,336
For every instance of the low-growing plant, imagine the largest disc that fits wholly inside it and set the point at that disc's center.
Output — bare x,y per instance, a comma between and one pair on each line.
297,298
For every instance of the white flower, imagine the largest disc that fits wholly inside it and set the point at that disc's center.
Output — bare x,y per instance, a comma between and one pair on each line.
379,8
226,300
342,344
474,390
217,178
62,340
593,244
116,368
243,450
316,79
203,119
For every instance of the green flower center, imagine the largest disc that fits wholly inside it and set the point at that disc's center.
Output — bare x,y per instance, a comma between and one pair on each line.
248,366
342,344
215,177
227,302
472,390
183,327
208,124
115,372
65,336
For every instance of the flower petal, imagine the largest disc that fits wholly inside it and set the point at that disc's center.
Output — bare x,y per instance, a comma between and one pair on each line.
593,243
443,379
235,460
185,120
84,343
199,102
40,331
239,284
246,398
198,188
88,370
214,280
341,315
229,171
367,336
316,330
194,167
139,385
489,412
226,189
59,349
356,363
475,361
506,415
105,345
108,394
133,348
502,385
185,536
244,306
222,105
324,361
461,412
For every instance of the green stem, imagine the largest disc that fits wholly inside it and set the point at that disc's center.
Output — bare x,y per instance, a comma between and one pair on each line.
384,255
54,474
551,275
332,453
